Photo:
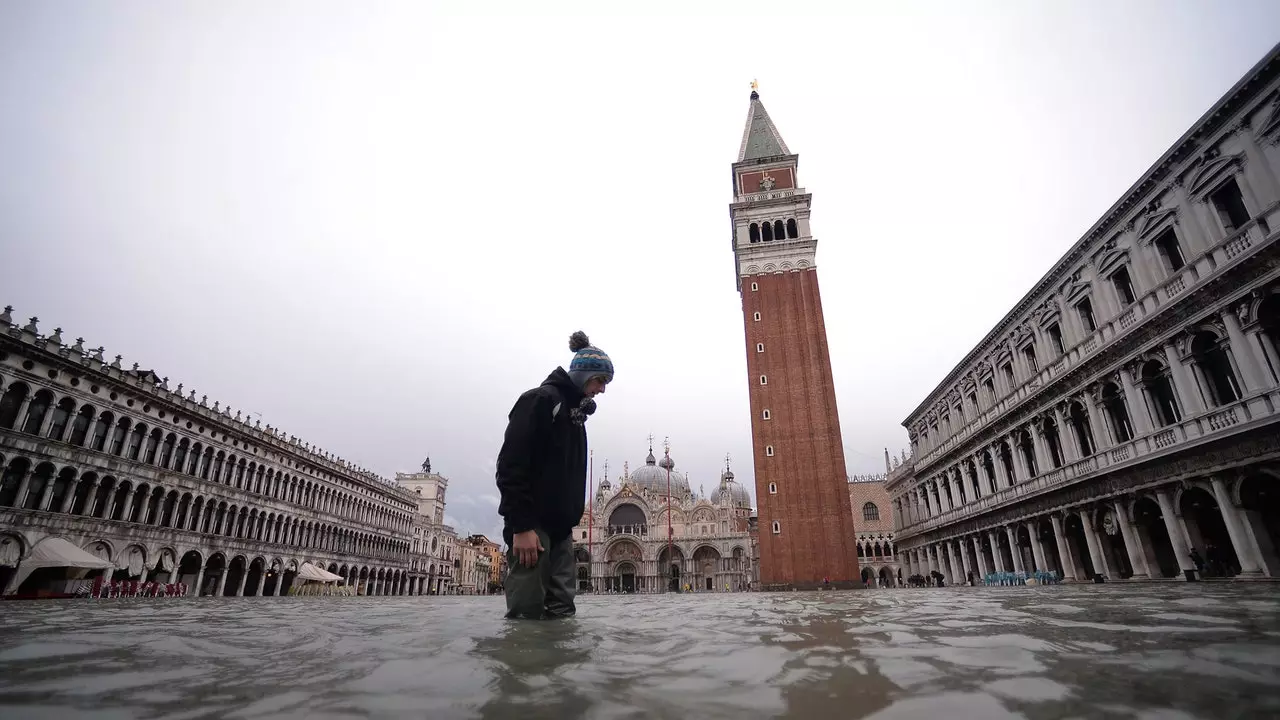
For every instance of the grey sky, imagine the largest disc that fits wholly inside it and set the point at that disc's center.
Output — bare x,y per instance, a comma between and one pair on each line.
376,227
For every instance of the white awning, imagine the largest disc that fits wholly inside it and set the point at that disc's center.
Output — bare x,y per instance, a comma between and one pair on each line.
311,572
56,552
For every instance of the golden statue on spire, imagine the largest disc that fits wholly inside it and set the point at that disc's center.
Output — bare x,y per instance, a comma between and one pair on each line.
755,85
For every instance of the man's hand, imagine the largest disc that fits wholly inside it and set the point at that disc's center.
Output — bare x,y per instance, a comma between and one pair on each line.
526,547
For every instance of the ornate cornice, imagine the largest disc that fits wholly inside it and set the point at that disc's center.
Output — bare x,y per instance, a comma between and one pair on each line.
1167,319
1174,160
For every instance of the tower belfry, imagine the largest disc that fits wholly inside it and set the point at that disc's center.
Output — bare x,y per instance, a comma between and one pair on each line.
806,524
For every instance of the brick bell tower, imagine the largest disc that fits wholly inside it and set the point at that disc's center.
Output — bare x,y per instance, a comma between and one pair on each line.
806,525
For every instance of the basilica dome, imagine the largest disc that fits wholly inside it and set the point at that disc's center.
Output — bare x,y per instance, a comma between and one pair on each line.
731,493
653,477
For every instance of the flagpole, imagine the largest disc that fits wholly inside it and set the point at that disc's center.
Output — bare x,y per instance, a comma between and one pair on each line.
666,449
591,517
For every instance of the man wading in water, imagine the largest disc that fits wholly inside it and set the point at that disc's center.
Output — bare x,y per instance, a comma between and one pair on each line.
542,475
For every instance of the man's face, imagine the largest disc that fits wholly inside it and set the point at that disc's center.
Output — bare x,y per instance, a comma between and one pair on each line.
595,386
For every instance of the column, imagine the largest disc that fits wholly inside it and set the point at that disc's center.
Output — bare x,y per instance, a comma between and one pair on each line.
1014,550
244,577
199,580
1019,459
47,495
1251,376
24,485
964,559
128,505
1037,550
1064,549
1188,393
1133,402
996,558
930,553
1101,440
971,481
257,587
1044,461
1066,437
944,498
1137,558
953,564
977,553
1249,564
1175,533
222,579
1095,545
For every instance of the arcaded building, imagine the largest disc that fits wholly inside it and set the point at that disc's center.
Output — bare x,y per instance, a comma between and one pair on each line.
170,487
622,542
873,512
1123,419
806,529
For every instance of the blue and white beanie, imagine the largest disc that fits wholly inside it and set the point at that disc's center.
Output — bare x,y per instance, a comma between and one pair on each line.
588,362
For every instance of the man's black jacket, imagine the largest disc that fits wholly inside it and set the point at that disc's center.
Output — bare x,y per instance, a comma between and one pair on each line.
542,466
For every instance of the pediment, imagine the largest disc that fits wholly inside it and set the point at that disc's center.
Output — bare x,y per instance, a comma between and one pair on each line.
1209,171
1155,220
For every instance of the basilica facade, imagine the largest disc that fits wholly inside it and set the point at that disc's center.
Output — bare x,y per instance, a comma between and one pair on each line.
622,543
1122,421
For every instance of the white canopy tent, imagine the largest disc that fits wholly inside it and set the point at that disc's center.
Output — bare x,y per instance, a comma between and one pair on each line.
315,574
56,552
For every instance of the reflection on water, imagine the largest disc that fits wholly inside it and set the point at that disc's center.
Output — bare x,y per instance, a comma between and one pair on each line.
1168,650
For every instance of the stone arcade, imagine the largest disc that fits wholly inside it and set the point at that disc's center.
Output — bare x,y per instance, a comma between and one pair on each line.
1127,411
169,489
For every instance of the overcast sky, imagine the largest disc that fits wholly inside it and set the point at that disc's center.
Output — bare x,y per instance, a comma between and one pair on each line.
376,224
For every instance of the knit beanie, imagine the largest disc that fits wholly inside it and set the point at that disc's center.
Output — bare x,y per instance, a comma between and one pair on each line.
588,362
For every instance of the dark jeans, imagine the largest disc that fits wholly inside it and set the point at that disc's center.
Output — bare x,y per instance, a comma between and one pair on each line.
546,589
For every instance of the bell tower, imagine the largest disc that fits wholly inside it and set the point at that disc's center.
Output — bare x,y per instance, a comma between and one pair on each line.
806,524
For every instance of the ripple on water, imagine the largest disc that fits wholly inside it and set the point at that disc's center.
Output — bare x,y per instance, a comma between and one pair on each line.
1061,651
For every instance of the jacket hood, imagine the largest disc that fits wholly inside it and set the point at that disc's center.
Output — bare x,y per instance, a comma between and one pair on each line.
565,384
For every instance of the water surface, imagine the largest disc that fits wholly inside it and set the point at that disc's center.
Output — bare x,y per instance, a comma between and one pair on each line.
1109,651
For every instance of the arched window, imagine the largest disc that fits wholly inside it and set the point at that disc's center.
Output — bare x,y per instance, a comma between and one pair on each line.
102,431
1214,369
153,446
1117,412
777,528
870,512
764,380
756,317
768,451
779,230
754,287
767,232
773,488
36,411
1164,407
754,232
1023,440
766,414
1268,320
61,418
166,449
1079,419
791,228
11,404
80,427
119,436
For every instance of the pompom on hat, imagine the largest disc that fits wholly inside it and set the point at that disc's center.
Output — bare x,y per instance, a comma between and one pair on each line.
588,361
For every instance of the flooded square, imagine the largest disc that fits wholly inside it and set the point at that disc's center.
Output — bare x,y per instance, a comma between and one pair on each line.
1114,651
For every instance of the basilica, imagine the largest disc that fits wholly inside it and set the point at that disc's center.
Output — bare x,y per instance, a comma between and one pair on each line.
652,533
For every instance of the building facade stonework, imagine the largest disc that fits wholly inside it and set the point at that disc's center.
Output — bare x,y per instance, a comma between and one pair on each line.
873,509
168,488
1123,419
622,542
806,529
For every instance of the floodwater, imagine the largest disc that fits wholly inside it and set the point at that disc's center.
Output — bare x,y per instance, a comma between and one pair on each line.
1092,651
